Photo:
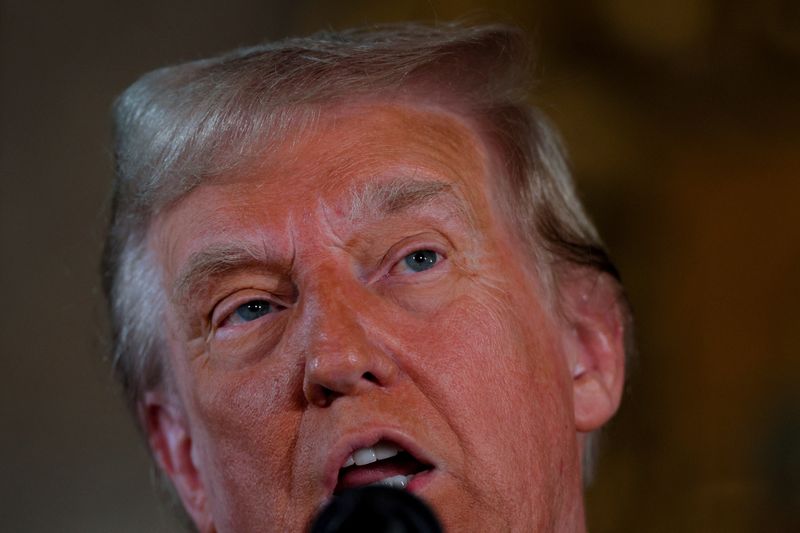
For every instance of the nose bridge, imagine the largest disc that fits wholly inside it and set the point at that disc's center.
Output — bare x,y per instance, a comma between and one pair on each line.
341,355
335,322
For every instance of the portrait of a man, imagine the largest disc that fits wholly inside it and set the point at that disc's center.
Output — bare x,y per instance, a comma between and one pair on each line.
420,266
358,258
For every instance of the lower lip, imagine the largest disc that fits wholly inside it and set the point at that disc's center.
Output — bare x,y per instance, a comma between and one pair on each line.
420,481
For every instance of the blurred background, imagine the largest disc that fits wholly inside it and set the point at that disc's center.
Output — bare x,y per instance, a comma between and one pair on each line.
681,118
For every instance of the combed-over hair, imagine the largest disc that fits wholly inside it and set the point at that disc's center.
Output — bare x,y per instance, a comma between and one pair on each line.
181,126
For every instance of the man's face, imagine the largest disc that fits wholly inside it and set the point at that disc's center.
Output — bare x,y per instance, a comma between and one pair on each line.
362,287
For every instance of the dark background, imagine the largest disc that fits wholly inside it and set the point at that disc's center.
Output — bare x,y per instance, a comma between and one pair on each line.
682,119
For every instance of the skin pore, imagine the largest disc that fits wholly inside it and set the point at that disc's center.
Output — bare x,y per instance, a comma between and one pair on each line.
361,284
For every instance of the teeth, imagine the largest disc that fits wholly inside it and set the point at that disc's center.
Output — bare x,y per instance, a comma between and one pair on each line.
365,456
397,482
384,451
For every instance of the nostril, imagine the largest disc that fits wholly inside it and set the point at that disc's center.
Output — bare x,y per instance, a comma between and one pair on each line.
369,376
324,396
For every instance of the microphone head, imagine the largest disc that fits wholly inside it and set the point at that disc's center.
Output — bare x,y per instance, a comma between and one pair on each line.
376,509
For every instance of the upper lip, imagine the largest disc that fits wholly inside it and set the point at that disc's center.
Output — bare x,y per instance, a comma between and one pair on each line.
355,441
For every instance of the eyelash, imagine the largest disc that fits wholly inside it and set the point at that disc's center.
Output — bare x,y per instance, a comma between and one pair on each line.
397,255
402,262
274,308
223,312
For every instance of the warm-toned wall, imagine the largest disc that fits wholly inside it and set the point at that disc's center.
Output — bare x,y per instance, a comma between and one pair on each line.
681,117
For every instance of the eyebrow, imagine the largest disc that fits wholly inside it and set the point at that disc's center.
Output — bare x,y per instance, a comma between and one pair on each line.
220,258
395,196
368,200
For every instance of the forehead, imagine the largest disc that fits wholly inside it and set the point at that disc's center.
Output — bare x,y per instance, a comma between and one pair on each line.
352,147
346,162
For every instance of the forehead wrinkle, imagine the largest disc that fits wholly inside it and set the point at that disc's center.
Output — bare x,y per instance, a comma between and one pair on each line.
399,195
219,258
369,199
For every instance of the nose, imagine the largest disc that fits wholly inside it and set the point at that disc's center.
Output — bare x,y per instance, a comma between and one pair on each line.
342,357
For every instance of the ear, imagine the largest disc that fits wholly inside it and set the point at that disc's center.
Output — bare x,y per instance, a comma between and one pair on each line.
595,345
171,444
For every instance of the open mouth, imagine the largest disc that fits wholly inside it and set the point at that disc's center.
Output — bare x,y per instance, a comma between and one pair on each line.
384,463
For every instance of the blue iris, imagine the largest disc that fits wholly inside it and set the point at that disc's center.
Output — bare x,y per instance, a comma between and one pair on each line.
421,260
253,310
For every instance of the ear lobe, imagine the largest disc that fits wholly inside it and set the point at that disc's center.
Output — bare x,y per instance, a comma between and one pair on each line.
171,444
595,345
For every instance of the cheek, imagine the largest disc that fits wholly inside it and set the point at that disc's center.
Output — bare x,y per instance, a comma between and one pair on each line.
499,375
242,421
250,410
227,398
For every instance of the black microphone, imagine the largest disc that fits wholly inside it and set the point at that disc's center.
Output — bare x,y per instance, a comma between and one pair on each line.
376,509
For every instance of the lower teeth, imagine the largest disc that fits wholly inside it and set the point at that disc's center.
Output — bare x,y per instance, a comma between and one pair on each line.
397,482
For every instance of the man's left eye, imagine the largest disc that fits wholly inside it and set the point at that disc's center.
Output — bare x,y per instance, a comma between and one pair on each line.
421,260
252,310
